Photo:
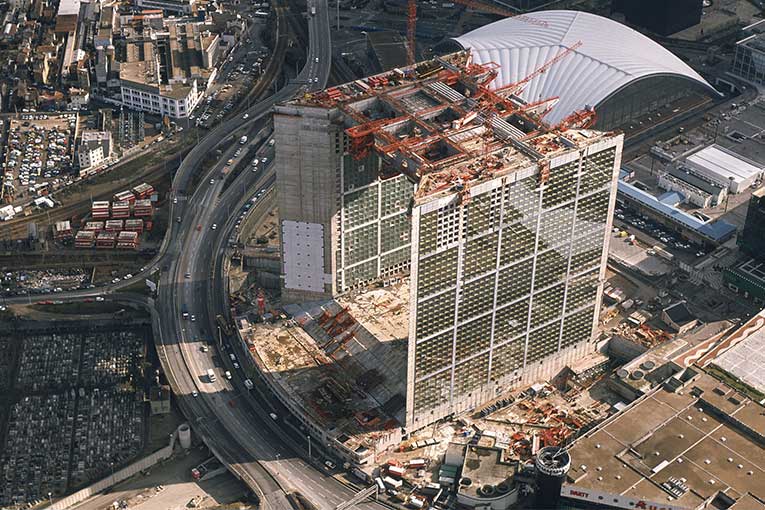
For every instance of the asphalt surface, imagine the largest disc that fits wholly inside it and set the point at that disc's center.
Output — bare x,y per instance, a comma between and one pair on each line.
233,428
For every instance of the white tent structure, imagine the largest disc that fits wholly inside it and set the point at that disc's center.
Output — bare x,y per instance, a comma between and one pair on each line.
611,57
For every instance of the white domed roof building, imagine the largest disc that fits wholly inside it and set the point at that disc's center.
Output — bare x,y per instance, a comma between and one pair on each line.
620,72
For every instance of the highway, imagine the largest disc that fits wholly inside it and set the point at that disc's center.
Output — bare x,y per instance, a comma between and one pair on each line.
233,424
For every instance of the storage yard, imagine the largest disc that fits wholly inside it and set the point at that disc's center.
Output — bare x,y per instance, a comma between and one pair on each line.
76,394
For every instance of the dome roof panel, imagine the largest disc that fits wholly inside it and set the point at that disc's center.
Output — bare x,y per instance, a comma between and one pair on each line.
611,56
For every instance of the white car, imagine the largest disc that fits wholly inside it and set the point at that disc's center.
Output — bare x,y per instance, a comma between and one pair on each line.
193,318
99,298
264,160
212,181
246,116
228,375
187,275
175,200
194,394
214,226
316,59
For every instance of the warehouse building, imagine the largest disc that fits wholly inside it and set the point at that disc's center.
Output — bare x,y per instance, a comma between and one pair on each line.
752,240
724,168
618,71
498,222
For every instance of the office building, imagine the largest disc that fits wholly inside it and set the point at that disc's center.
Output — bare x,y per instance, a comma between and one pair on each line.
749,58
752,238
498,221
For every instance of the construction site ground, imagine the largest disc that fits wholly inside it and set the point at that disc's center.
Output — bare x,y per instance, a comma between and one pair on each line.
170,486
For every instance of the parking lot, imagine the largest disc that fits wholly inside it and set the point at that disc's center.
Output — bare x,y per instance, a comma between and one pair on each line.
39,150
627,218
75,398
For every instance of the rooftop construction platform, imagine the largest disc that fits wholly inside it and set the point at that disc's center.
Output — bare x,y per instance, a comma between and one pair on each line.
676,448
440,124
342,363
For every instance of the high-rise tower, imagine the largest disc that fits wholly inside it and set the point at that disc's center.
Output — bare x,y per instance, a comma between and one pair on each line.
499,220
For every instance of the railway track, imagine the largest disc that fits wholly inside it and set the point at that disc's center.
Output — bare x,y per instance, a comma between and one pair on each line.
17,228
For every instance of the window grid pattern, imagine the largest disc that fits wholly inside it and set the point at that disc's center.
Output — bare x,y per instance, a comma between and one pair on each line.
359,207
435,314
396,193
521,304
395,232
473,337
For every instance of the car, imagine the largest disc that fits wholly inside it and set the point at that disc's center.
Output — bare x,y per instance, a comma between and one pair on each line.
212,181
316,59
204,348
246,116
187,275
175,200
228,375
128,276
214,226
264,160
273,416
99,299
329,464
116,280
178,219
193,318
236,365
195,393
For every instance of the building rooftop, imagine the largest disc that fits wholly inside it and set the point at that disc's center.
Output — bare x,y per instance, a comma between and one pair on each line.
745,358
484,467
679,313
725,163
705,434
438,123
717,231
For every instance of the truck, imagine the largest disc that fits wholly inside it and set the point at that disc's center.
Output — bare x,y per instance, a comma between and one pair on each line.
211,375
313,10
243,140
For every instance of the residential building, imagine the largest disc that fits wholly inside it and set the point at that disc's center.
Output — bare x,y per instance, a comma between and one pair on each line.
95,148
498,221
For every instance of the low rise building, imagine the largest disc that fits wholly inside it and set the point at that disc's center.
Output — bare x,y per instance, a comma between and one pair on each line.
679,317
168,66
487,480
95,149
687,444
724,168
169,6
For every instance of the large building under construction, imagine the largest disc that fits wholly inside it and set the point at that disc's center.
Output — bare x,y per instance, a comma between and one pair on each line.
498,220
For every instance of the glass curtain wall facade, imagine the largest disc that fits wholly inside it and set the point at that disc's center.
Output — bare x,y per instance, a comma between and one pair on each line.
374,224
507,280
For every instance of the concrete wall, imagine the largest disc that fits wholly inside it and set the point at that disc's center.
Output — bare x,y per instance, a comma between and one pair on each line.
119,476
307,166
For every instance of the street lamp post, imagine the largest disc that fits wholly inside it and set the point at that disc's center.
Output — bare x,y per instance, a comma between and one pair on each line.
309,447
50,498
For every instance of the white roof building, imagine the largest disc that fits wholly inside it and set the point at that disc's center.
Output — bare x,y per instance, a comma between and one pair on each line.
611,57
725,168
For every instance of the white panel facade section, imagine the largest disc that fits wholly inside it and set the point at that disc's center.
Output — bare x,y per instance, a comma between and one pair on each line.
303,253
411,344
585,77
